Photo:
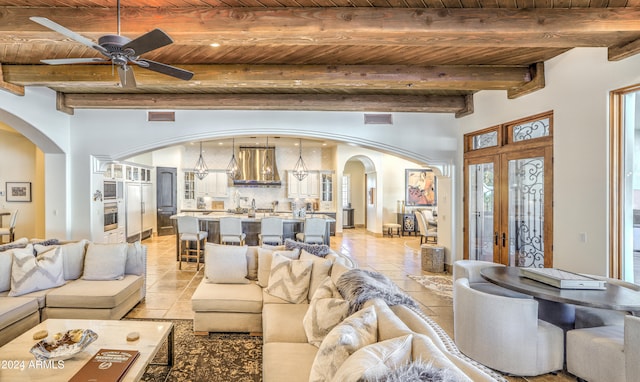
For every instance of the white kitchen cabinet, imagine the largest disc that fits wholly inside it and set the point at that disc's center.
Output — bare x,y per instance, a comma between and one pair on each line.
307,188
215,184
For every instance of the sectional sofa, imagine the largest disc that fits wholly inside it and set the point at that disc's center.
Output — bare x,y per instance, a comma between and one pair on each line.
311,332
82,280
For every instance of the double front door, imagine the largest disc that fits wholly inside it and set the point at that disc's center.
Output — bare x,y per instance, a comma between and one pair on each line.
508,202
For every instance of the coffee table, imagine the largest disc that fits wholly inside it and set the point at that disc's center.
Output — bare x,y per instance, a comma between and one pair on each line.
18,364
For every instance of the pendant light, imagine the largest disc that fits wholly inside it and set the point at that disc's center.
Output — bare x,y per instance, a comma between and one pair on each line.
267,166
300,169
201,170
232,168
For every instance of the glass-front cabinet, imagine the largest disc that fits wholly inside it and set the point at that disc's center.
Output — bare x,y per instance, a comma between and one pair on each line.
326,184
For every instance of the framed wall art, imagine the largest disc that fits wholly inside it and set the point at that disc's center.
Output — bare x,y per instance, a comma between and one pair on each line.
18,191
420,187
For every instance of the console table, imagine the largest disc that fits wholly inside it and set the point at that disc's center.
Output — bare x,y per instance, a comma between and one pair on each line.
408,223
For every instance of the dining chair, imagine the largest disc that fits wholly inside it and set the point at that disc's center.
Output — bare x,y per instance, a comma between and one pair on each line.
271,231
426,232
504,333
314,231
231,231
605,353
10,229
189,231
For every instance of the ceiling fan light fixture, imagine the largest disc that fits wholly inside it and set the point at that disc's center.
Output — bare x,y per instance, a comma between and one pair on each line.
300,169
232,167
201,170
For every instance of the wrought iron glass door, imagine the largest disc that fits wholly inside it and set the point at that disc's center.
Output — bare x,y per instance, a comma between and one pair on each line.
480,238
509,194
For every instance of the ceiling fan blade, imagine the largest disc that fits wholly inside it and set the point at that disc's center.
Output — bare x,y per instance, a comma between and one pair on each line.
148,42
69,33
165,69
127,79
64,61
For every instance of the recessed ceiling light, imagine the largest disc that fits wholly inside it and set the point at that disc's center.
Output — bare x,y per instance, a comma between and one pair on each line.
214,44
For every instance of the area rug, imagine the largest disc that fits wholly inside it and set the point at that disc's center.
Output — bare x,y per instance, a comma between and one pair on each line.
217,357
441,285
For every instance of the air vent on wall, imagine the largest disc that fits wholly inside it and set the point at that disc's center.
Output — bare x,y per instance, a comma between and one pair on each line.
378,119
161,116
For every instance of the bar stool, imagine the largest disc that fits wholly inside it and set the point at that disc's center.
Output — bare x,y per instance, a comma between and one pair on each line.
189,230
314,231
10,230
271,231
231,231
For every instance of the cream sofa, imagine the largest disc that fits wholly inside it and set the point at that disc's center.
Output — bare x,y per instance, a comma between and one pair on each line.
77,297
288,354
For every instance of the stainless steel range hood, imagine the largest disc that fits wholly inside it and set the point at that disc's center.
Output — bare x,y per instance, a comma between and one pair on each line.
251,161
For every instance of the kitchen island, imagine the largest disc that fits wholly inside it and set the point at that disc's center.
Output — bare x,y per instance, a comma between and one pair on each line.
210,222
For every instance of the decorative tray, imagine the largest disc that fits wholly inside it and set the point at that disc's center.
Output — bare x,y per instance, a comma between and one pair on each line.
64,345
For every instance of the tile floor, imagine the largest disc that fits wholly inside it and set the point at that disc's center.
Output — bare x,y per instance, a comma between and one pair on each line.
169,290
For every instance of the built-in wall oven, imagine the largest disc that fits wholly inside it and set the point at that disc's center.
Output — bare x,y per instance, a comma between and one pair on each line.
112,190
110,216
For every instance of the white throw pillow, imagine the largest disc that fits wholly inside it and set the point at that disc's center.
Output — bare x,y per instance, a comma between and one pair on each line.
324,313
225,264
31,273
264,263
356,331
6,259
321,269
134,264
105,261
375,360
289,279
72,257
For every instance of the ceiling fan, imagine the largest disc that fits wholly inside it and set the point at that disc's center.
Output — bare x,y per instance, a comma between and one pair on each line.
120,51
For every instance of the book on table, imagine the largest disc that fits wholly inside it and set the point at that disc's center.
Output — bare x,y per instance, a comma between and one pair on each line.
107,365
563,279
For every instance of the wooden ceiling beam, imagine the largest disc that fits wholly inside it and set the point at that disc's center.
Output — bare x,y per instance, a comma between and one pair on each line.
619,52
539,27
315,102
219,77
537,82
8,86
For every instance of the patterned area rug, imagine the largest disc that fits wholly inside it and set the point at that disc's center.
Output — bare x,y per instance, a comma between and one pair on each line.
217,357
441,285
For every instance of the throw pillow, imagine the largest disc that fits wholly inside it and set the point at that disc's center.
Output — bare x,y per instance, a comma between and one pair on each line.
20,243
376,360
72,257
413,371
320,250
289,279
355,332
6,259
320,270
32,273
324,313
105,261
225,264
264,263
135,262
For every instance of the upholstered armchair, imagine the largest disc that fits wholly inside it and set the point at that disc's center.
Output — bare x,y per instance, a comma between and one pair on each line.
606,353
505,333
470,270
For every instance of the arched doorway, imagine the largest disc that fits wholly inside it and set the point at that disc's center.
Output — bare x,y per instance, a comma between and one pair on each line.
359,177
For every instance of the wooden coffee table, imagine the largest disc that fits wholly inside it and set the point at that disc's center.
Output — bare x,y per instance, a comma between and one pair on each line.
18,364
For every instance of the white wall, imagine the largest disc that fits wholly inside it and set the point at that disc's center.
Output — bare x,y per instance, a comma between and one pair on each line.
577,90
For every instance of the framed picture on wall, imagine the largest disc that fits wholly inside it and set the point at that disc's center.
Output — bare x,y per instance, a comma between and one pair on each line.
18,191
420,187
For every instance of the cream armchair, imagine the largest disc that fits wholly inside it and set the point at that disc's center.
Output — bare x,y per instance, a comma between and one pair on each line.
606,353
504,333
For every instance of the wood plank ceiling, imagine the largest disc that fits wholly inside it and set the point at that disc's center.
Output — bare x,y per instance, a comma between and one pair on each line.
361,55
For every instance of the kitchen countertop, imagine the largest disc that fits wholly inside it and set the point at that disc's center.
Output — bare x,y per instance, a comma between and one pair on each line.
216,215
